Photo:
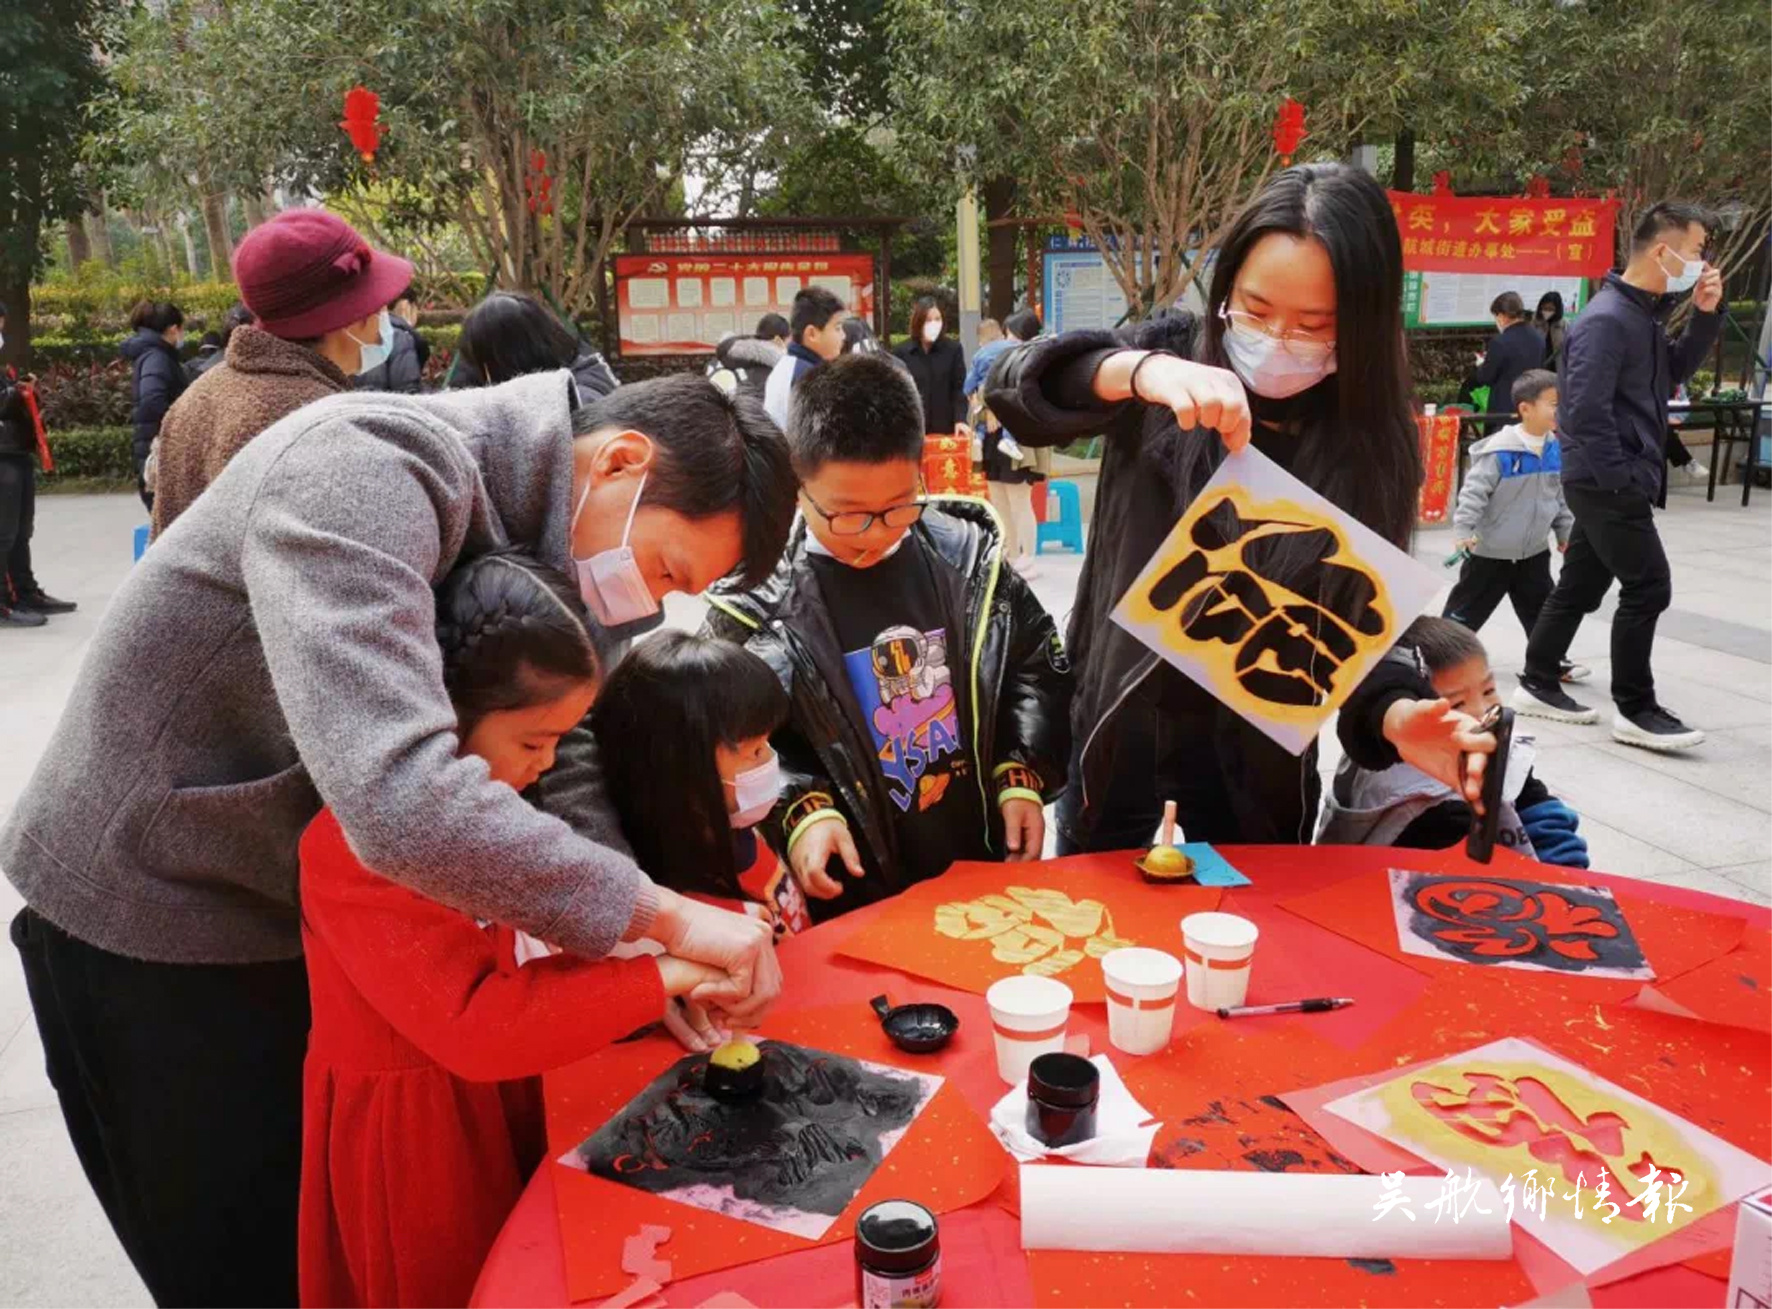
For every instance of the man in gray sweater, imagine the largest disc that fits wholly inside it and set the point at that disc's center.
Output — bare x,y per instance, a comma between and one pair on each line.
273,652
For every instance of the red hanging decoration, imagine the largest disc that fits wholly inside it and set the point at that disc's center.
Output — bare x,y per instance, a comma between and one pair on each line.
29,394
1443,182
1538,188
539,185
1288,130
362,109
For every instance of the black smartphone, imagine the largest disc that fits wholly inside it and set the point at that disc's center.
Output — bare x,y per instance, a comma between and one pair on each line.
1480,844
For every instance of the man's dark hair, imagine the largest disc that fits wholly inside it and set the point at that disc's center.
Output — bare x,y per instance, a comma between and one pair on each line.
772,326
156,316
404,295
1023,325
1508,305
858,409
1443,644
715,453
1668,216
814,306
511,334
1531,384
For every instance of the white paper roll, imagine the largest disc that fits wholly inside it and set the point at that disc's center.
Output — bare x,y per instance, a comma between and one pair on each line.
1182,1211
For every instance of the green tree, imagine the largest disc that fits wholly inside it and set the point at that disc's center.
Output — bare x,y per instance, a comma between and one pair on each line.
541,128
49,75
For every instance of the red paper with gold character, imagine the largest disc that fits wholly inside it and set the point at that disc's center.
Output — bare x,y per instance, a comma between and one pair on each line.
1439,466
978,923
947,1160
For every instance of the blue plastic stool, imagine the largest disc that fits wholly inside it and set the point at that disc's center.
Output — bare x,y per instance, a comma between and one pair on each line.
1066,530
141,540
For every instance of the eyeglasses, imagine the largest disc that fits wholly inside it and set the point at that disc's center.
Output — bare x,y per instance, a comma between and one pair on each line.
855,522
1297,342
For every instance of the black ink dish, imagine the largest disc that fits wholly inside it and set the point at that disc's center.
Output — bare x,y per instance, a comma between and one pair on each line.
1063,1091
916,1028
897,1257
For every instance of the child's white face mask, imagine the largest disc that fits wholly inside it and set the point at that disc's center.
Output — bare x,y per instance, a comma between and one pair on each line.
755,791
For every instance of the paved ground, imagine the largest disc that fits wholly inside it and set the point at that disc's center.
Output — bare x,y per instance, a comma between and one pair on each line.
1702,820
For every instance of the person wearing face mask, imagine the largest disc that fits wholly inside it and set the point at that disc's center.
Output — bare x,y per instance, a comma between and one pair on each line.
277,651
1550,325
928,690
938,366
1300,353
1516,348
319,297
684,722
1619,369
157,378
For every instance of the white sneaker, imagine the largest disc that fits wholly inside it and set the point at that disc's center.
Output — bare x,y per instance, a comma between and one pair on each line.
1655,729
1574,672
1557,705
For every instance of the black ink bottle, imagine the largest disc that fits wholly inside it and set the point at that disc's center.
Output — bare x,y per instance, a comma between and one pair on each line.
1063,1090
897,1257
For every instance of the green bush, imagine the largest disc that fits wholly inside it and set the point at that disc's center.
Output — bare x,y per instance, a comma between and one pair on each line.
90,458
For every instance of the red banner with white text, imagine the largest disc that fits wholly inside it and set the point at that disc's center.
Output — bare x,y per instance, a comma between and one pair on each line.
1488,234
1439,466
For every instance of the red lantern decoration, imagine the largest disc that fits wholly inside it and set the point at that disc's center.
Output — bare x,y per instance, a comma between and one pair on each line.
1288,130
538,184
362,109
1538,188
1443,182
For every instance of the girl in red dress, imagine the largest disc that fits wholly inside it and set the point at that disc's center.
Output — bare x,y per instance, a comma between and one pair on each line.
683,727
422,1109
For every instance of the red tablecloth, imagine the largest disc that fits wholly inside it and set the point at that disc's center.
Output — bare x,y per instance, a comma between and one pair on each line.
981,1248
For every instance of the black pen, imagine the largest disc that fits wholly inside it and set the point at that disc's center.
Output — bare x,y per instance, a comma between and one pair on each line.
1290,1007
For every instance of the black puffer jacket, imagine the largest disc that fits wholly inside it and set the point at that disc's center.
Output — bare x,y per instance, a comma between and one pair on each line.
159,381
403,370
749,360
17,436
1018,690
1149,475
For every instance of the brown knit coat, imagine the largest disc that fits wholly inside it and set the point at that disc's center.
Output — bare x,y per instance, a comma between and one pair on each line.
263,378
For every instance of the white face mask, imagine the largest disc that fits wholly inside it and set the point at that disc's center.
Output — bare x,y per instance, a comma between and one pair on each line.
1687,277
373,354
756,790
1268,368
932,330
610,581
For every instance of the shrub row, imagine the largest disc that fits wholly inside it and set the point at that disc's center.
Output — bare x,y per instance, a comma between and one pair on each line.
89,455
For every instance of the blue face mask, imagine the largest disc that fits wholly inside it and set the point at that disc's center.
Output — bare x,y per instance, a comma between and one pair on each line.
1687,277
375,354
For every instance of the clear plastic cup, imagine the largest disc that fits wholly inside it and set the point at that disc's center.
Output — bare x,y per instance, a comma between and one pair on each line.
1029,1016
1219,949
1141,987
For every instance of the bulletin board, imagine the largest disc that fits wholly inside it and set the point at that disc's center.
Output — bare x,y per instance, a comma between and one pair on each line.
684,304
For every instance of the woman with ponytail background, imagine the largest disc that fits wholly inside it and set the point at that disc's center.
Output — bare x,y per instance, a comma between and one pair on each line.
421,1103
1300,353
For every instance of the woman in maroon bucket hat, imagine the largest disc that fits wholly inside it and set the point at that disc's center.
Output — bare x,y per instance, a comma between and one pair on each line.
320,296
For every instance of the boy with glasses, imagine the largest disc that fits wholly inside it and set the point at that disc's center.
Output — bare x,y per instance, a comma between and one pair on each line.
930,694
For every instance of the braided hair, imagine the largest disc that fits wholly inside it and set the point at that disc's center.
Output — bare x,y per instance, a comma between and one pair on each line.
513,633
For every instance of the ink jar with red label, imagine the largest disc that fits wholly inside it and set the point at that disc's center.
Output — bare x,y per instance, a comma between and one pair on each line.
897,1257
1063,1091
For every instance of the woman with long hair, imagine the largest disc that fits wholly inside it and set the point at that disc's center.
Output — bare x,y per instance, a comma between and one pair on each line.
1551,326
938,366
1300,353
511,334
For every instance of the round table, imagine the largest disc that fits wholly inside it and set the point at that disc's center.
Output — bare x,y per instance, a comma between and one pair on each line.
982,1256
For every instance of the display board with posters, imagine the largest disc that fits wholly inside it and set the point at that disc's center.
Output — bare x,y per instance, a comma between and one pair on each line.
1079,292
676,304
1445,299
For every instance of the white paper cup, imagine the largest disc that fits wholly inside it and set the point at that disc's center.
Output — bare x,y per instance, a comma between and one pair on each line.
1219,948
1141,986
1029,1016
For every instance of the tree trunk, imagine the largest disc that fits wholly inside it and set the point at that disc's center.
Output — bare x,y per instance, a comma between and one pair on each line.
999,202
215,227
79,248
254,208
184,230
1403,170
98,234
17,350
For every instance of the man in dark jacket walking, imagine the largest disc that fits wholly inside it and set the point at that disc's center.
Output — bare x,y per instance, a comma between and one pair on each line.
22,602
1619,370
158,378
1517,349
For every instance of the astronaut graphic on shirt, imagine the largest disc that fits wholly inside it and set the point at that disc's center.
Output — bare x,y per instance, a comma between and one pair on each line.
905,691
